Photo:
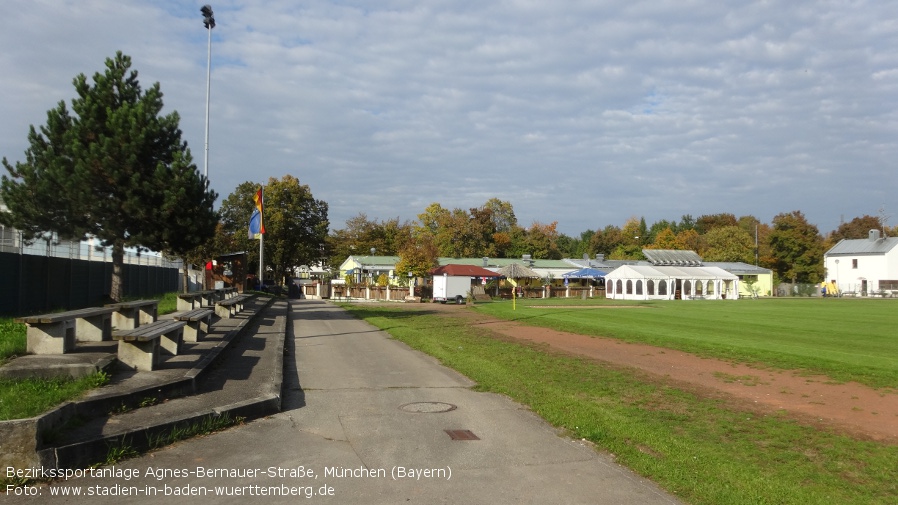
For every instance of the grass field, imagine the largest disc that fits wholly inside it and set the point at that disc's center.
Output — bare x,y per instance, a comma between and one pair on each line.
700,449
846,339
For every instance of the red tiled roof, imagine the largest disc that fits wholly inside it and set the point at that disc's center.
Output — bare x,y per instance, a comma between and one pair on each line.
464,271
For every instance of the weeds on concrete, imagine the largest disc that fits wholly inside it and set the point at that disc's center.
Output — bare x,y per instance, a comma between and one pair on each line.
207,425
119,451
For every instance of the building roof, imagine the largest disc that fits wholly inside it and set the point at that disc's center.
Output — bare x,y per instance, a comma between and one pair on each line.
557,268
739,268
872,245
636,271
669,272
670,257
455,270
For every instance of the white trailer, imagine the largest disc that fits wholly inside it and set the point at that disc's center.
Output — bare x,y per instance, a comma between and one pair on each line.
451,288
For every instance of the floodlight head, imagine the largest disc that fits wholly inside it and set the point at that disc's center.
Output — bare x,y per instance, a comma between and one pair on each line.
208,20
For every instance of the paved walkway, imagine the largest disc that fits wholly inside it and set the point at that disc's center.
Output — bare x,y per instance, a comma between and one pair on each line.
365,421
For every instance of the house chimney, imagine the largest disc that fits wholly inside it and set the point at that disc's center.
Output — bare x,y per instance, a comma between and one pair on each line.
600,257
486,261
874,235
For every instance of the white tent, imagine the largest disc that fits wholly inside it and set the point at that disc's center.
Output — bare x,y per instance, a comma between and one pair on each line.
644,282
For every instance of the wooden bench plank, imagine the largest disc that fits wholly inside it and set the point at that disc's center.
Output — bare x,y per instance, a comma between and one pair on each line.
226,309
198,322
57,333
139,347
129,315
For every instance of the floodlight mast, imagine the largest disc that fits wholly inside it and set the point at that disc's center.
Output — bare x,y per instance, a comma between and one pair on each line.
209,23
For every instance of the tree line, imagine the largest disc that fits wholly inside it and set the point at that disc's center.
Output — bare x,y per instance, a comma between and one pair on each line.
117,170
790,246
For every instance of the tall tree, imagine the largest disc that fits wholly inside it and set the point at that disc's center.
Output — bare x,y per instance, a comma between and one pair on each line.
658,227
687,222
417,257
797,247
362,234
708,222
729,243
296,224
858,227
665,239
502,214
607,240
541,241
690,240
115,170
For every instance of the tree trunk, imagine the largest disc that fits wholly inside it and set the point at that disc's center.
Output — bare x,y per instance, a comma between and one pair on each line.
116,291
185,283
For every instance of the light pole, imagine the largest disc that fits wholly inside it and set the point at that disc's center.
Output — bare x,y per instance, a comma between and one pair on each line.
209,23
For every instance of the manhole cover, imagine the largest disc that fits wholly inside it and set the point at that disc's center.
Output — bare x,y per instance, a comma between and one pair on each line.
427,407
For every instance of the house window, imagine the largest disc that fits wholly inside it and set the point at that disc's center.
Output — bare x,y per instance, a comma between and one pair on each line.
854,263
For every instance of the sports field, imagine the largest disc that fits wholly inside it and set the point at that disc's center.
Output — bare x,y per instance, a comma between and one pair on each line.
846,339
704,450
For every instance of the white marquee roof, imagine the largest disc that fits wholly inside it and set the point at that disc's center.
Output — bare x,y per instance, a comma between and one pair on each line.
658,272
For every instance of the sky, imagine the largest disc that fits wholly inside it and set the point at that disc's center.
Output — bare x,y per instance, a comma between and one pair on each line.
584,113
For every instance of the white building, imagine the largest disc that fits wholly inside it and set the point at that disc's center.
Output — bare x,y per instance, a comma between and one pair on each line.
864,267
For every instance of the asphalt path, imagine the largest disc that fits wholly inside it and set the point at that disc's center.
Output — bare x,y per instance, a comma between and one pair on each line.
366,420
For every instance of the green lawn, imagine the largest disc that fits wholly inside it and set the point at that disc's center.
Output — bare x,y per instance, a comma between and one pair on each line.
29,397
699,449
846,339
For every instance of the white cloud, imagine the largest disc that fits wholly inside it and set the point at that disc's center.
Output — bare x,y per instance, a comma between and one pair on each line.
580,112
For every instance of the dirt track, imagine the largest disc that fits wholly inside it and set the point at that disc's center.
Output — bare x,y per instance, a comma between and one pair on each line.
851,408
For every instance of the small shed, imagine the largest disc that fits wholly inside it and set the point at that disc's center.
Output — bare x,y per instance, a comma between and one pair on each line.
455,282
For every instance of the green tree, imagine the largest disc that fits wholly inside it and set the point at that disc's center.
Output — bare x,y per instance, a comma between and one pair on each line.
502,215
690,240
687,222
296,224
114,169
857,228
797,248
665,239
658,227
606,240
418,257
362,234
574,247
708,222
541,241
729,243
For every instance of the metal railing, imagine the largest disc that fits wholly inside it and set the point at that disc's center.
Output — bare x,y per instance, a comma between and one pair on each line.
11,241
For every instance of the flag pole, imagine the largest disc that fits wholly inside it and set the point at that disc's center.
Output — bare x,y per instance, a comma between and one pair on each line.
262,241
